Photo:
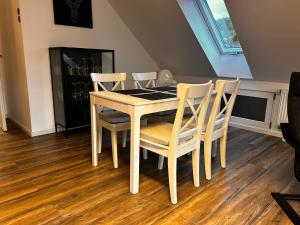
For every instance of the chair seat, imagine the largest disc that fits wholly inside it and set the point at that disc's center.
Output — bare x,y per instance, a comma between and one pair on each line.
114,117
159,133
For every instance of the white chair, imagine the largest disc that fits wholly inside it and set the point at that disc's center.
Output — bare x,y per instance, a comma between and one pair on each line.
148,78
113,121
217,124
173,141
145,80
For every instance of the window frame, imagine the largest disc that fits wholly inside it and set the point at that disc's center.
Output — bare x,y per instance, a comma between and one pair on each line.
214,30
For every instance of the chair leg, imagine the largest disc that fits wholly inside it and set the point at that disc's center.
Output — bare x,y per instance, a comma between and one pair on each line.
214,149
207,159
223,142
172,167
160,162
145,154
114,145
124,139
99,139
196,167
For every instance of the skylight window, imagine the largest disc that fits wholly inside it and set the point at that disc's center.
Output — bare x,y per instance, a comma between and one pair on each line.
220,25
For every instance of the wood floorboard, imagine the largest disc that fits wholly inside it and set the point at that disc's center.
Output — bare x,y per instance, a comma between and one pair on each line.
50,180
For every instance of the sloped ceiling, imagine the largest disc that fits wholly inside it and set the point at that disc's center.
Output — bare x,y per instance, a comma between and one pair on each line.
269,32
162,29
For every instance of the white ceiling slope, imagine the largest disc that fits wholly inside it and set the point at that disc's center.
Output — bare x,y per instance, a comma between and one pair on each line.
269,32
162,29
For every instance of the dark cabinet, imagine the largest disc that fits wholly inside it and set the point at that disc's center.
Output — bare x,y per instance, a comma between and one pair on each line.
71,82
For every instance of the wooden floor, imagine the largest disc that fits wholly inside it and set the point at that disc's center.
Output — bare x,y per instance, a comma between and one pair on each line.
50,180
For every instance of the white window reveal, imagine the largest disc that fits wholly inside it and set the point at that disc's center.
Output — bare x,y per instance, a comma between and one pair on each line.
212,26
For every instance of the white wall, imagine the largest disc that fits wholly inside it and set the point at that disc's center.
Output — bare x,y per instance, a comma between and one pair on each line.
15,82
269,34
255,89
40,32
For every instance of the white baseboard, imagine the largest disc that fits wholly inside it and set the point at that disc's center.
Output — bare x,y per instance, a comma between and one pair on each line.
276,133
42,132
28,131
21,126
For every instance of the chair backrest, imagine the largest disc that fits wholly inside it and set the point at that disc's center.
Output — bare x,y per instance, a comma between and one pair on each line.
294,106
196,98
149,78
219,117
294,88
117,79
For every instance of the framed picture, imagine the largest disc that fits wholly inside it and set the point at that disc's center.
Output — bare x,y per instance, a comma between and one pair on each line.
76,13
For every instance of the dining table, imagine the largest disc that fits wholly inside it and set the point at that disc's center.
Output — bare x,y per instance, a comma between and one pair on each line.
135,103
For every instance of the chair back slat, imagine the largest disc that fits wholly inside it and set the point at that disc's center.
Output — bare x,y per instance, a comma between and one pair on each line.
100,78
115,79
226,104
194,91
230,86
140,78
219,117
190,94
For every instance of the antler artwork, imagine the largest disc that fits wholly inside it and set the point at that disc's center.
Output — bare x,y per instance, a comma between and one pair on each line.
74,6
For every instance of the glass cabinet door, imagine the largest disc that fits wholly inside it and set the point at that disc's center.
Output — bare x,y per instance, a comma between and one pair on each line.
71,82
96,62
107,62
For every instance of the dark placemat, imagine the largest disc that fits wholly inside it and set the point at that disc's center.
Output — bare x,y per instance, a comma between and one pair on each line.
173,91
165,88
155,96
133,91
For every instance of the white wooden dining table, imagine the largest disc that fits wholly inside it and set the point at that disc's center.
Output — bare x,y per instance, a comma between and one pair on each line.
135,107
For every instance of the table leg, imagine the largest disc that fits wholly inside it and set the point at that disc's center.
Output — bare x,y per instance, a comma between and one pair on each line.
94,132
134,153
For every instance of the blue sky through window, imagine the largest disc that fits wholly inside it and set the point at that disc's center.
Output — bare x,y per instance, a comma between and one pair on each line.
218,9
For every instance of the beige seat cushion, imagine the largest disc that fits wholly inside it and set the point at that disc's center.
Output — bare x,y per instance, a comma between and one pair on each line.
159,133
114,117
